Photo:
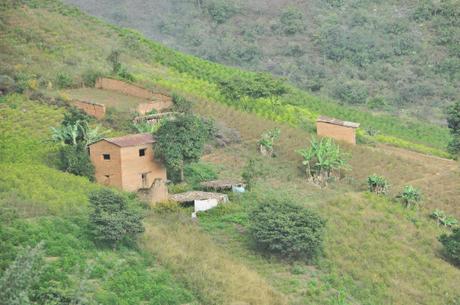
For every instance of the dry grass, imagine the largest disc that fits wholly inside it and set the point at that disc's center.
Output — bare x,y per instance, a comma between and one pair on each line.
206,269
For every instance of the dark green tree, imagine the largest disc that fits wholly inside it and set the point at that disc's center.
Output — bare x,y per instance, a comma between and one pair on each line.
451,243
20,276
251,172
453,122
74,159
287,229
112,219
180,142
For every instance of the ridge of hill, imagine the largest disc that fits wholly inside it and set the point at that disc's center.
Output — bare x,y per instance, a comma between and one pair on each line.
396,56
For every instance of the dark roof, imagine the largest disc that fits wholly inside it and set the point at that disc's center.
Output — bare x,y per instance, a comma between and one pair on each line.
130,140
325,119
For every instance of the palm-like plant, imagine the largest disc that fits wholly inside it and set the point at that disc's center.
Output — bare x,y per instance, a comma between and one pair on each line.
410,196
72,134
322,159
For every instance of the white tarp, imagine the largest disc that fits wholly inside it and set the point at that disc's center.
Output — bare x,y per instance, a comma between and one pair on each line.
204,205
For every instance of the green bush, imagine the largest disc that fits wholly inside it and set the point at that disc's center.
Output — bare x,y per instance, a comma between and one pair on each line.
410,196
74,159
221,10
443,219
198,172
287,229
251,171
90,76
292,21
451,243
63,80
377,184
181,104
112,219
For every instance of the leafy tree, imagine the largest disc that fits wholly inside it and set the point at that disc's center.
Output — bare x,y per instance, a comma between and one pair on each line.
112,219
181,104
181,141
287,229
453,122
267,141
114,60
451,243
251,171
20,276
221,10
377,184
410,196
322,159
74,159
292,21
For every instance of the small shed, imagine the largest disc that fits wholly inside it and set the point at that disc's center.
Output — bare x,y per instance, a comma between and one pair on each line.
337,129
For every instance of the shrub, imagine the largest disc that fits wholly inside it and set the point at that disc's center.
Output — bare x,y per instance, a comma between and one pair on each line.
267,141
251,171
322,160
377,184
181,104
350,93
198,172
112,219
221,10
287,229
63,80
74,159
292,21
451,245
90,76
443,219
262,85
410,196
17,280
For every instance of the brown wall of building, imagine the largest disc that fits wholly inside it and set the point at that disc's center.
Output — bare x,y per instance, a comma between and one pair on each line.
133,166
125,88
93,109
104,168
340,133
158,106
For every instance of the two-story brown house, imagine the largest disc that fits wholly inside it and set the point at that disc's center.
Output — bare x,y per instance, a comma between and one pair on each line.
128,163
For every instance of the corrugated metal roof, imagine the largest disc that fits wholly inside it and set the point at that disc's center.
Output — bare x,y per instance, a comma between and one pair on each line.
130,140
326,119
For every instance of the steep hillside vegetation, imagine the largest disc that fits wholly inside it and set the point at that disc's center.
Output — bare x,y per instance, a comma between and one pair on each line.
398,56
375,250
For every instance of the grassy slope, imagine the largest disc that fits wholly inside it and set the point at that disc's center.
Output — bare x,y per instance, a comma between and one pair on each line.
372,232
41,43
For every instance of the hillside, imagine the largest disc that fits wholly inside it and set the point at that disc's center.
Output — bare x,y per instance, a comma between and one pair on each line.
376,251
396,56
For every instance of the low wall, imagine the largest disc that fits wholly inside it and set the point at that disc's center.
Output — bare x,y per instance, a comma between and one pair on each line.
340,133
159,106
123,87
92,109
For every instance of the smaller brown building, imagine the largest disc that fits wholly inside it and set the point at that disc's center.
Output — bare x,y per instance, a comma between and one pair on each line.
128,163
336,129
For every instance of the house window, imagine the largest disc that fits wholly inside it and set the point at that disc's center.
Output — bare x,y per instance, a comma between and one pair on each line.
142,152
106,156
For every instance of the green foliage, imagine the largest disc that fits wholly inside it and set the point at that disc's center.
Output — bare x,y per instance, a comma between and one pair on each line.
90,76
322,160
454,146
221,10
287,229
251,172
410,196
262,85
350,93
181,141
112,218
377,184
73,116
18,279
74,159
451,243
453,118
148,127
64,80
292,21
118,68
181,104
267,141
443,219
198,172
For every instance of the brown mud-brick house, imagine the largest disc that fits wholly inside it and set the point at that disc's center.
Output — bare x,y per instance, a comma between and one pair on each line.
128,163
336,129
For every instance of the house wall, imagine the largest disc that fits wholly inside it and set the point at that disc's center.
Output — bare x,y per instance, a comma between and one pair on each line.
340,133
133,166
92,109
123,87
103,167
